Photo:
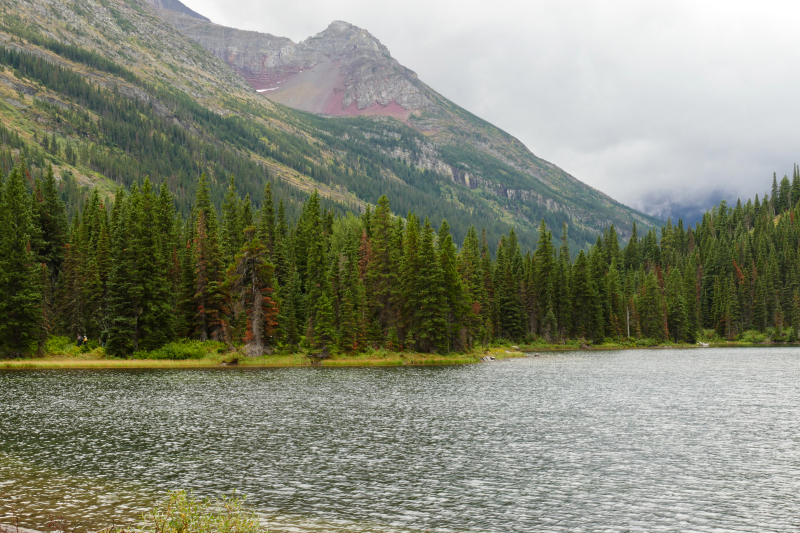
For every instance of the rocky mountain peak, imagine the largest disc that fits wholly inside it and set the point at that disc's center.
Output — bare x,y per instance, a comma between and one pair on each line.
342,40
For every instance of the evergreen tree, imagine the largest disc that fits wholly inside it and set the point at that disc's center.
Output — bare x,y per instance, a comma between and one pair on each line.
211,302
250,278
455,307
266,230
651,309
20,273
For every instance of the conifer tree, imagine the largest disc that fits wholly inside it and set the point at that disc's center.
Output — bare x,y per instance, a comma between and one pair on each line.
544,270
455,307
51,217
282,249
266,229
382,266
20,273
677,315
250,278
651,309
509,309
231,223
124,287
211,302
631,254
155,321
431,325
316,277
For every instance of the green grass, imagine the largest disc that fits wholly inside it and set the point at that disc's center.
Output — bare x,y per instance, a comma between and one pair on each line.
212,354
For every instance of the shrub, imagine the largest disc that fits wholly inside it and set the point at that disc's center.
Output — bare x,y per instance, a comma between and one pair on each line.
708,335
647,342
181,512
61,345
753,336
179,350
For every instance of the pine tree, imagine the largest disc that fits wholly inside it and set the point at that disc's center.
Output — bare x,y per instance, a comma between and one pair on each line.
211,302
544,270
431,324
469,268
250,278
651,309
632,254
795,186
20,273
317,281
231,229
283,248
677,315
509,308
351,323
51,217
266,229
455,307
581,298
382,266
124,287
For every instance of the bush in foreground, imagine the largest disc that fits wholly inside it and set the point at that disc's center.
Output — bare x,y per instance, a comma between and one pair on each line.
181,512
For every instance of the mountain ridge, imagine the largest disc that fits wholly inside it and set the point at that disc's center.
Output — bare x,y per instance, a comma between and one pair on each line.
346,71
221,125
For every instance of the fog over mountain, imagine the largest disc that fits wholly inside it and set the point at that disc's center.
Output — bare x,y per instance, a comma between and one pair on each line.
660,106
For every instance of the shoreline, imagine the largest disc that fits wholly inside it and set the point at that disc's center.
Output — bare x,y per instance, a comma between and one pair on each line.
620,347
376,359
299,360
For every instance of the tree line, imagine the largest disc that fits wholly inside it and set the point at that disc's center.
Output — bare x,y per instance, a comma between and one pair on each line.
136,275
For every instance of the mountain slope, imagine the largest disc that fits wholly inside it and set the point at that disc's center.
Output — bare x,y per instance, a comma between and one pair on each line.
110,92
345,71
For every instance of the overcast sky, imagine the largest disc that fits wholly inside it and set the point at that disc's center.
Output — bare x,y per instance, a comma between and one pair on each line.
662,105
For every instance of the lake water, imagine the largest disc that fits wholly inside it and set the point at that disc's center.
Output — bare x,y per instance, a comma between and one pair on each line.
650,440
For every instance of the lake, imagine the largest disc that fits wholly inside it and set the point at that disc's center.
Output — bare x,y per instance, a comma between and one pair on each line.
640,440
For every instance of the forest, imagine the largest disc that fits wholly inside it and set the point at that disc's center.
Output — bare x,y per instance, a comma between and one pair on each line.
136,275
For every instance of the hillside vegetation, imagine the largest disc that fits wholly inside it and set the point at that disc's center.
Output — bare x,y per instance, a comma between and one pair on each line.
140,277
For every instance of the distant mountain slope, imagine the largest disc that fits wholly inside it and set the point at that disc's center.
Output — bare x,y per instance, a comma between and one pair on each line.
345,71
121,94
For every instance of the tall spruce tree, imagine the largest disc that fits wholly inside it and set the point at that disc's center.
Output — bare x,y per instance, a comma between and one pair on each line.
20,274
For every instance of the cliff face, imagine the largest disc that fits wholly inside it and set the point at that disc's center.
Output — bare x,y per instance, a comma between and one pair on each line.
343,70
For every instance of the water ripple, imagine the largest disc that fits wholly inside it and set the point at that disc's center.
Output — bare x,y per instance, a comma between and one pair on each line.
664,440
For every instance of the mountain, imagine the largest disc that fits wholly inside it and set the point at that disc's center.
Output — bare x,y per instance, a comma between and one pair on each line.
174,95
345,71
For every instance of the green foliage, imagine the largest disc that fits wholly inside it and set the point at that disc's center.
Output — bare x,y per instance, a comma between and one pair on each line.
753,336
21,276
182,512
183,349
61,345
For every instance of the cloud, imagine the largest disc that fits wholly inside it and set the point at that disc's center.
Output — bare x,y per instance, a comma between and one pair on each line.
673,100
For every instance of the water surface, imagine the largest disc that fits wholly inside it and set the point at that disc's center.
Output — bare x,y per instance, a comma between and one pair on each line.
650,440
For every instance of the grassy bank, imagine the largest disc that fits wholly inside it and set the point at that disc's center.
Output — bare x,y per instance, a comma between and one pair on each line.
210,354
